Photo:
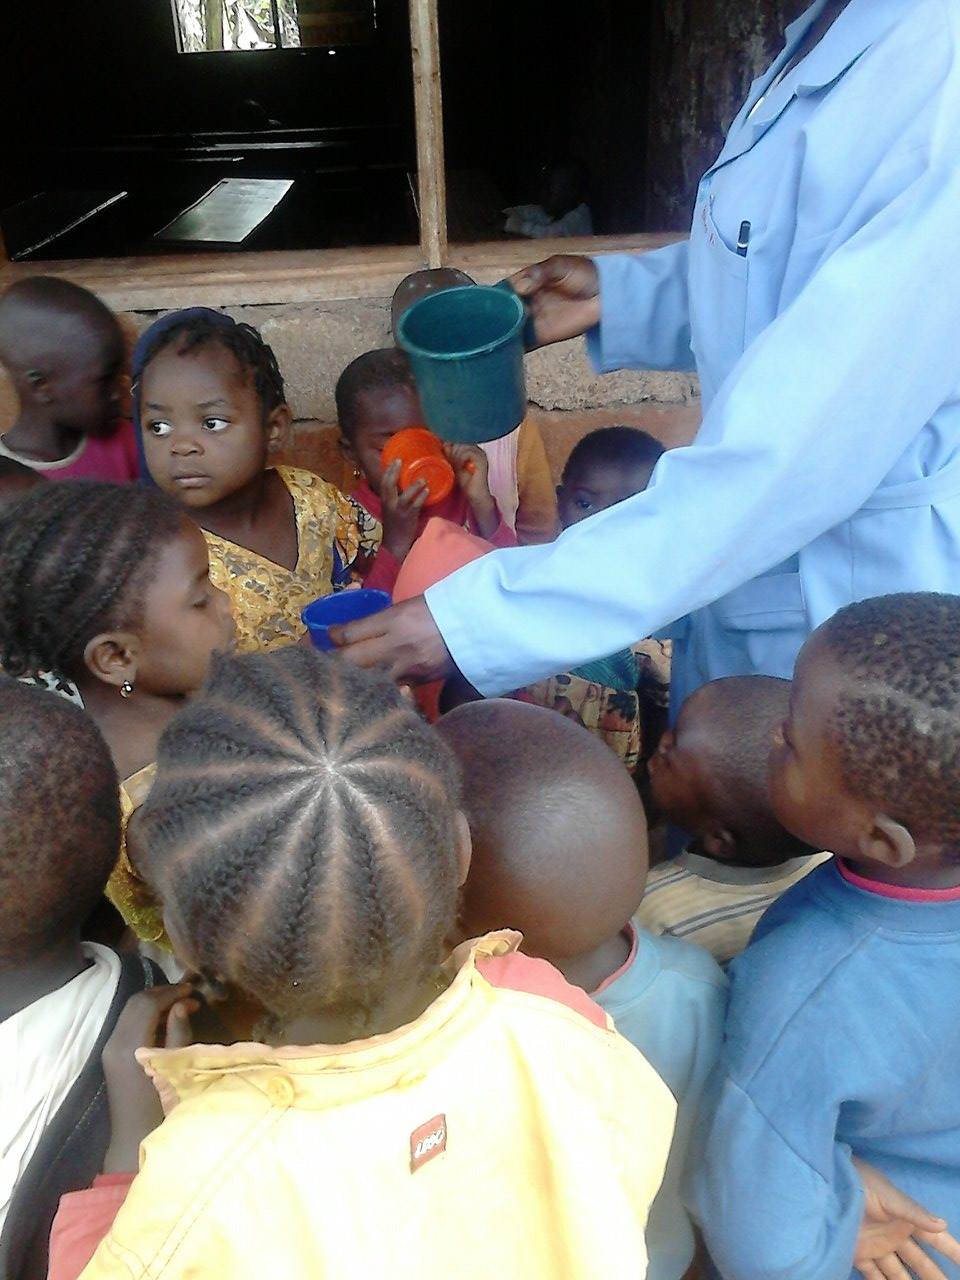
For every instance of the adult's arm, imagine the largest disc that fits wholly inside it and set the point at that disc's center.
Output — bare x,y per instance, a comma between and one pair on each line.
803,431
644,311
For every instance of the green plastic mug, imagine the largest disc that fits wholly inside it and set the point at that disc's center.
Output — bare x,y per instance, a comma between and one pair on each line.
466,349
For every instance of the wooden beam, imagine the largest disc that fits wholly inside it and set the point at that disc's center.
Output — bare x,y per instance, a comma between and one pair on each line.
428,106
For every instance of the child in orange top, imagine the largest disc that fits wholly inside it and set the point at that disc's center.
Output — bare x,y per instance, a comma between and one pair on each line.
376,397
212,410
64,352
108,587
404,1112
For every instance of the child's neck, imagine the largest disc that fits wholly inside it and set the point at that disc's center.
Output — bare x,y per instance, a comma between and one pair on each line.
260,516
132,726
24,981
592,970
35,436
323,1028
922,873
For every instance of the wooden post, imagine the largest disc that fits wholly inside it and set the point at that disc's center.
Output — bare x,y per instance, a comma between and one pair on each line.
428,106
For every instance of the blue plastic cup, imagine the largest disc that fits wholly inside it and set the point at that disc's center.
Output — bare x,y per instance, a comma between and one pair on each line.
338,609
466,349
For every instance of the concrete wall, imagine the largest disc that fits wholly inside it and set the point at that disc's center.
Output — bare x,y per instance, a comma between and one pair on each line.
315,341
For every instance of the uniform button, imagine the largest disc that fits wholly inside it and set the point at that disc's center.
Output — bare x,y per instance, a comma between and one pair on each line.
280,1091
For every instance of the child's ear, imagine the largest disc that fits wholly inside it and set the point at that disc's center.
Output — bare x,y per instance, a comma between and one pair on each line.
464,845
347,449
278,428
113,657
887,842
719,842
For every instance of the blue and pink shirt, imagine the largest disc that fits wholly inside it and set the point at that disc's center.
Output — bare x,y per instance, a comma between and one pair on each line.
842,1039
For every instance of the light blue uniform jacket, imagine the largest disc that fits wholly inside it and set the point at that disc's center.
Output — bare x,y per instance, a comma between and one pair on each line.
827,467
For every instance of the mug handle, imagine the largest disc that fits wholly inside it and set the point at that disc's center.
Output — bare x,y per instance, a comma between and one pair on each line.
529,331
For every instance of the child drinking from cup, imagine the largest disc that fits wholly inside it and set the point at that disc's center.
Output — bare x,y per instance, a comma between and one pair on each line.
212,410
560,853
518,469
108,586
404,1111
377,397
844,1024
64,351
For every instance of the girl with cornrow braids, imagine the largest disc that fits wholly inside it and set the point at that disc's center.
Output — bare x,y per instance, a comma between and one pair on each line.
108,587
405,1112
212,414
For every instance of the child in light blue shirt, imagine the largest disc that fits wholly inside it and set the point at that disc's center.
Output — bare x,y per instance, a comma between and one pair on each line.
560,853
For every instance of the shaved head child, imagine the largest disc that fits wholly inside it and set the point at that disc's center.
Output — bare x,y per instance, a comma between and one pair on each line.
560,853
60,997
709,777
64,352
843,1033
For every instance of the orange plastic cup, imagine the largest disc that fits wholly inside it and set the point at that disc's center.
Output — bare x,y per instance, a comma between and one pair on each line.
421,457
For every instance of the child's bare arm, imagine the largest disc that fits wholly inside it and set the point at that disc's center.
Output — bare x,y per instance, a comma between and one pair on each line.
893,1229
472,470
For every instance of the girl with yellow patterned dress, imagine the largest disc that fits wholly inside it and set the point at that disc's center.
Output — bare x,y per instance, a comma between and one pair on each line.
212,410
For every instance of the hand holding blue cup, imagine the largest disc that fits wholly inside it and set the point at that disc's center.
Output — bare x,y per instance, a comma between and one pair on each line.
338,609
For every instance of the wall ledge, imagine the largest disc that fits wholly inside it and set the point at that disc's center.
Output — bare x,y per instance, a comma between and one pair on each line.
315,275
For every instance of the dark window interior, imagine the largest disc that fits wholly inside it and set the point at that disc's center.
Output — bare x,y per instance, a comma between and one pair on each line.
114,138
111,117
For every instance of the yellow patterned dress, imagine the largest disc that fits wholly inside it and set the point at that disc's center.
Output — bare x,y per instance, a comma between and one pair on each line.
334,534
128,893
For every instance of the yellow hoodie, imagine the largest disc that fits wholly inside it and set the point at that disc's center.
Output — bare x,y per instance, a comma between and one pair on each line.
508,1131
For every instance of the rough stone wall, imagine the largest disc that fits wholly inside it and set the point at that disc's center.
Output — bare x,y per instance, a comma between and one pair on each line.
703,56
315,341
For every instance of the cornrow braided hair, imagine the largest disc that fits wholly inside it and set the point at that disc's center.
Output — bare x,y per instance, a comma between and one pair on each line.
75,559
241,340
301,833
896,724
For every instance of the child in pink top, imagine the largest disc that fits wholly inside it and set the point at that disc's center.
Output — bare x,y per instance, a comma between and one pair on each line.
64,351
376,397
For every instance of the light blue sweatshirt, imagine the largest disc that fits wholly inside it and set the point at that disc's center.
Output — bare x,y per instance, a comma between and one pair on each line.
842,1036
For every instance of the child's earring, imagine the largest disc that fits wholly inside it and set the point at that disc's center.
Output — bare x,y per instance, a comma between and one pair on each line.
356,473
126,689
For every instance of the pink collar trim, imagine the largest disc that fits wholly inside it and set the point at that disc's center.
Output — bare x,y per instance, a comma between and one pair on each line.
901,892
631,935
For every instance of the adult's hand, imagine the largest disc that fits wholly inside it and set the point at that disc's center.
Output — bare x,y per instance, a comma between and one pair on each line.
404,640
563,293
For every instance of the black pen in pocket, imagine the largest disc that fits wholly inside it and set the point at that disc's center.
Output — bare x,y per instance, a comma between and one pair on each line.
743,239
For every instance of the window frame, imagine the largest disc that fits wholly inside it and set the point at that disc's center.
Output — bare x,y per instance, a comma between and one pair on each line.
320,275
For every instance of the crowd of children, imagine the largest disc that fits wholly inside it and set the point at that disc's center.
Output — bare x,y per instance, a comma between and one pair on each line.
434,1011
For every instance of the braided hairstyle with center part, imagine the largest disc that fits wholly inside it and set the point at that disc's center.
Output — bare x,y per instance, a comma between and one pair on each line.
76,558
302,833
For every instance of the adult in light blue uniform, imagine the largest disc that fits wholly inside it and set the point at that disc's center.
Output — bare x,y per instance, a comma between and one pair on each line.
827,468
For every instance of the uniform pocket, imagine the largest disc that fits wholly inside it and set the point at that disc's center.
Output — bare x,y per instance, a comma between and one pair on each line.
771,603
719,279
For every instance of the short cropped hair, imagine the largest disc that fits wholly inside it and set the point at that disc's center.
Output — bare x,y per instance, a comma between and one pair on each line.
896,725
302,834
59,819
382,370
614,446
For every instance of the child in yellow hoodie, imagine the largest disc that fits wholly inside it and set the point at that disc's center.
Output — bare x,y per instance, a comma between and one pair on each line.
404,1112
